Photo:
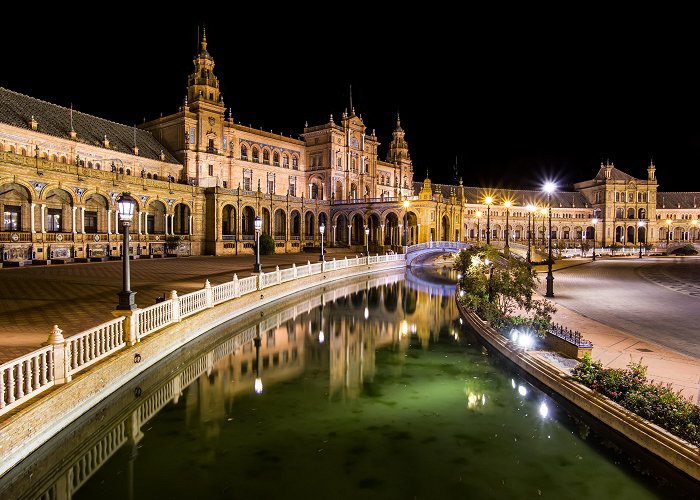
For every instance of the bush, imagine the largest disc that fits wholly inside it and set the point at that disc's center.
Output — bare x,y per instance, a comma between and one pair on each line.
684,250
655,402
267,245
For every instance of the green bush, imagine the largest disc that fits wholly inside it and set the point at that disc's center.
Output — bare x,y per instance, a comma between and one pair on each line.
267,245
655,402
684,250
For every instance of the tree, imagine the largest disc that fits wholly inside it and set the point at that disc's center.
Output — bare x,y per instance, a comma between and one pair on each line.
585,247
267,244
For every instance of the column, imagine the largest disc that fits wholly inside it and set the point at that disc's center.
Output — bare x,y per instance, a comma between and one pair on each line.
381,235
138,229
31,217
43,209
73,219
172,223
82,220
116,222
333,236
109,221
190,228
166,224
349,234
145,223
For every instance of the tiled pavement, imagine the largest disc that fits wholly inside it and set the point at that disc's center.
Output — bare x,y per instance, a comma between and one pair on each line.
79,296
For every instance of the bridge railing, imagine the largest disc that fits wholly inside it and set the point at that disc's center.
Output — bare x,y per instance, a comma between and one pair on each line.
455,245
27,376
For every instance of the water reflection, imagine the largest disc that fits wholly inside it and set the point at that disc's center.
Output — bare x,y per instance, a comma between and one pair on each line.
339,394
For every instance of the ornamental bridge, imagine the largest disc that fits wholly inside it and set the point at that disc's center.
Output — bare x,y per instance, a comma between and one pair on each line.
415,254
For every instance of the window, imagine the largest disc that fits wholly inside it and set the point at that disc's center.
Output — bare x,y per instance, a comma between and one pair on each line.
630,213
276,159
266,157
211,170
91,222
211,145
295,163
12,218
191,141
244,153
339,162
292,185
256,155
619,213
54,220
630,196
270,183
285,161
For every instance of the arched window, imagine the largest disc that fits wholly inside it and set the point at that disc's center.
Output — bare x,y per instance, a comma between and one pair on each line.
285,161
630,213
642,213
339,163
98,166
128,171
619,213
155,177
244,153
256,155
276,159
63,159
266,157
295,163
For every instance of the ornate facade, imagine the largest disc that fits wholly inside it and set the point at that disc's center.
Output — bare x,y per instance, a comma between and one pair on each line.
200,179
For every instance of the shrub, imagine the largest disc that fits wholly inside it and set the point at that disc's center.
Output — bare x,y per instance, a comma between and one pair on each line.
684,250
267,245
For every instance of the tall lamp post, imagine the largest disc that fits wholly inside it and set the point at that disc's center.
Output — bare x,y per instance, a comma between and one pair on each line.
506,248
668,233
478,227
405,225
640,225
367,239
488,200
126,205
543,213
549,189
322,229
530,209
257,268
595,222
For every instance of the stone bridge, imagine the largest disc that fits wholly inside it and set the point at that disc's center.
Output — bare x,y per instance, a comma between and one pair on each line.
421,251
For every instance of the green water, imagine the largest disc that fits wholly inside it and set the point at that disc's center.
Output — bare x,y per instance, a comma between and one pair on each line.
404,404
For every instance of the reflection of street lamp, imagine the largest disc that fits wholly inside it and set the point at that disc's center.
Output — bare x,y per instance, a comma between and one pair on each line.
640,225
543,213
367,239
530,216
595,222
549,188
322,229
126,206
488,200
406,204
258,381
478,226
257,268
694,222
488,263
668,232
506,249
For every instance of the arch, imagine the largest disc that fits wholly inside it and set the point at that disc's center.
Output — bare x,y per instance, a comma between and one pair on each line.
15,200
98,166
96,212
256,155
228,221
339,190
295,224
352,194
341,229
375,231
63,159
392,235
630,235
642,213
244,152
285,160
52,157
266,156
280,224
276,159
149,176
266,221
309,225
357,232
22,152
630,213
247,222
641,234
445,229
295,162
59,213
322,219
155,177
181,219
155,217
619,234
128,171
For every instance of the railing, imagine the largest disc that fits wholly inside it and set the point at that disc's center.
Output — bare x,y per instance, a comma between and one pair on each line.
571,336
29,375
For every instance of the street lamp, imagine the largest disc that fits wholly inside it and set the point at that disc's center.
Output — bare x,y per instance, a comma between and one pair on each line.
478,227
406,204
640,225
488,200
530,209
543,213
595,222
668,232
367,239
257,268
126,205
322,229
549,189
506,248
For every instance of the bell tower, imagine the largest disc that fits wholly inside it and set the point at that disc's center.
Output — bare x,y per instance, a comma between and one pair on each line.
398,155
202,85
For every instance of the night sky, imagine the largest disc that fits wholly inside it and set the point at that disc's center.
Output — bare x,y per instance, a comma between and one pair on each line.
516,100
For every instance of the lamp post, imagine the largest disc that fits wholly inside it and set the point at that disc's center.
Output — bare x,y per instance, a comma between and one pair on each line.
478,227
668,232
322,229
640,225
506,248
367,239
126,205
595,222
530,209
406,204
543,213
549,188
694,222
488,200
257,268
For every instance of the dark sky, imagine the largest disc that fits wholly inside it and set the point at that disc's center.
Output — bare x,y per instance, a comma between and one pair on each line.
516,96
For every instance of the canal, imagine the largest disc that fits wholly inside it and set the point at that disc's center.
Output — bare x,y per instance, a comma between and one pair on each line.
369,388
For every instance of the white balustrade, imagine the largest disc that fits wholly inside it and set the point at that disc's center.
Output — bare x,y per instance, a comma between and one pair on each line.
247,285
287,274
90,346
25,377
193,303
225,291
152,318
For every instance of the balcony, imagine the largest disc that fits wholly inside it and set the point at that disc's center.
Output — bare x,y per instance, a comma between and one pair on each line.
212,150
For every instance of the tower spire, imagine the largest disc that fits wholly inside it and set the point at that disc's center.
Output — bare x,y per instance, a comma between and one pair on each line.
204,38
